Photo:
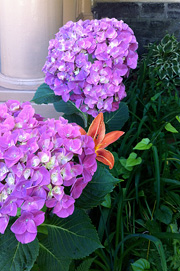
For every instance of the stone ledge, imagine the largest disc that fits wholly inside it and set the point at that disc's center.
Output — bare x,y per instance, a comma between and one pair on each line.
45,110
20,84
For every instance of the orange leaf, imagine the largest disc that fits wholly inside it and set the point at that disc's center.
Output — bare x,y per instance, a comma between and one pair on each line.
105,157
110,138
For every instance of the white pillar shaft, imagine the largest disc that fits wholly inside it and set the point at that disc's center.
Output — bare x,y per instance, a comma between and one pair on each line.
26,26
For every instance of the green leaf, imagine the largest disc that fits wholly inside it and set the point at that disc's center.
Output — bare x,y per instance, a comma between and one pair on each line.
116,120
140,265
123,163
85,265
94,193
16,256
75,118
44,95
170,128
133,160
107,201
164,214
168,47
66,107
155,97
150,238
165,39
178,118
73,237
177,81
35,268
143,144
48,259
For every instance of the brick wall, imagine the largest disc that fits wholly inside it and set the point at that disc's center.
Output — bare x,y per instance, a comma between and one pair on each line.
150,21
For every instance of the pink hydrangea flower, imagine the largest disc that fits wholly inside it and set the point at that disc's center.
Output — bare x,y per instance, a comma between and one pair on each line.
41,162
87,61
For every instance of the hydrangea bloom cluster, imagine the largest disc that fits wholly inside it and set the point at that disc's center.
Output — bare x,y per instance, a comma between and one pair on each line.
42,163
87,61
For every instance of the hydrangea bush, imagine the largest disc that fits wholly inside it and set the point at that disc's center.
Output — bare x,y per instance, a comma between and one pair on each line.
49,174
87,61
42,162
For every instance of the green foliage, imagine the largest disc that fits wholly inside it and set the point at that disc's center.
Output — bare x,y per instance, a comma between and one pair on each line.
44,95
170,128
85,265
140,265
143,145
49,260
94,193
16,256
146,205
165,59
164,214
73,237
116,120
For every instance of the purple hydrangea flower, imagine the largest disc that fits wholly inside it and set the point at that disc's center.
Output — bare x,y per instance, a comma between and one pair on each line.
87,61
25,227
41,163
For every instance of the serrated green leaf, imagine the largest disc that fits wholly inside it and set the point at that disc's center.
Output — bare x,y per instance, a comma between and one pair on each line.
170,128
143,144
75,118
85,265
73,237
48,259
164,214
116,120
16,256
101,184
66,107
44,95
140,265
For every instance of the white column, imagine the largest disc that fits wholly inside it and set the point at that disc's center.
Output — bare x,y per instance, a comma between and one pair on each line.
26,26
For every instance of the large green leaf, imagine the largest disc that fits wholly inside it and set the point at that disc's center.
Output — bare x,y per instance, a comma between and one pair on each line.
48,259
15,256
66,107
76,118
44,95
116,120
94,193
73,237
85,265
